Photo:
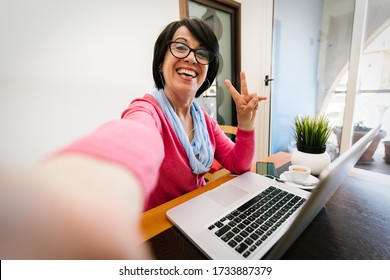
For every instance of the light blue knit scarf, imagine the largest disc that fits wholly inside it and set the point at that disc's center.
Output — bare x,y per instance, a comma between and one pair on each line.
199,152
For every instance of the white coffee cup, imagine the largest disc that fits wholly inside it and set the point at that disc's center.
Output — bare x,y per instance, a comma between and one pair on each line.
297,173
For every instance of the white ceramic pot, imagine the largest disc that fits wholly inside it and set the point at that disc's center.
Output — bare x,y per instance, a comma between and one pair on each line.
316,162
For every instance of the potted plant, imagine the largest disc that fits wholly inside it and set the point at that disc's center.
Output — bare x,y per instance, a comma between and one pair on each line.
387,151
311,135
359,130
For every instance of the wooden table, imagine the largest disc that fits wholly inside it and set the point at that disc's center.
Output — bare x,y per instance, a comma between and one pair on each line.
354,224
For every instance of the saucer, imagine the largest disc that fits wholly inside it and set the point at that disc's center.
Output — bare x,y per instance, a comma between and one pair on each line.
310,180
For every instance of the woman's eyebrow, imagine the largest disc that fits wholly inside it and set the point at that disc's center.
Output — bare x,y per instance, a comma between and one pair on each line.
181,38
187,42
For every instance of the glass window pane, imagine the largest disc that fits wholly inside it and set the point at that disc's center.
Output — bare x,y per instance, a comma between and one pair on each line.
334,61
372,104
373,96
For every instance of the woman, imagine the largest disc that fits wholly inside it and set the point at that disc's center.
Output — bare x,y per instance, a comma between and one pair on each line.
85,200
185,64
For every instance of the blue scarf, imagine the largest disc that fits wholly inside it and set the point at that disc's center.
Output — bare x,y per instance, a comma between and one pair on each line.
199,151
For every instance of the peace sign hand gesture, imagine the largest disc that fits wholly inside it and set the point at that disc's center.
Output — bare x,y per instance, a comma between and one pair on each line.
246,104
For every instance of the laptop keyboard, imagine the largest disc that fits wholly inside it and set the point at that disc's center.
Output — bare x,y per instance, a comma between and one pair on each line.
247,227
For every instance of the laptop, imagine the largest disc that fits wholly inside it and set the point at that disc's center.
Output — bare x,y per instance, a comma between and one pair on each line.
255,217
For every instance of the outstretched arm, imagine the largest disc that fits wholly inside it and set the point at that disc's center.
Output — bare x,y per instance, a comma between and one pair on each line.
84,202
71,207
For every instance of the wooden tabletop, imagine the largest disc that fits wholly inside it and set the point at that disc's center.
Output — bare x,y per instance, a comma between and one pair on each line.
155,221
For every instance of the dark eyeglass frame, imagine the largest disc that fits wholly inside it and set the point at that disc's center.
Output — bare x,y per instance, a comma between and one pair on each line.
210,55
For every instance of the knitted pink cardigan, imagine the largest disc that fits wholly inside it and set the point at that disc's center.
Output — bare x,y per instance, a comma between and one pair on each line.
145,143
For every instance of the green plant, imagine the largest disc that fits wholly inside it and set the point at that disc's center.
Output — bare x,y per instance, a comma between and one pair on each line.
360,127
312,131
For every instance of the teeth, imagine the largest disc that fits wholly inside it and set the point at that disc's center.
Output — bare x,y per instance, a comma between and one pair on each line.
187,72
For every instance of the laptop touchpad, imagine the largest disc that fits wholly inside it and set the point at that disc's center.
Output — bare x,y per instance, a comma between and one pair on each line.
226,196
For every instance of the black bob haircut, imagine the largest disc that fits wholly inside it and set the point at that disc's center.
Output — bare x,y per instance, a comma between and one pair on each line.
206,37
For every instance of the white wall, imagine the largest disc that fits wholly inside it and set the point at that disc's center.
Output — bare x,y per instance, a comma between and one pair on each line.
295,63
68,66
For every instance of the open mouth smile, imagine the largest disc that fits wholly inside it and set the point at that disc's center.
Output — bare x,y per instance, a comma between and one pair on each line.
187,72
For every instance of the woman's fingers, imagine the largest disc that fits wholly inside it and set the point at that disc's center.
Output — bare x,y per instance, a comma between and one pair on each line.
233,92
244,85
244,100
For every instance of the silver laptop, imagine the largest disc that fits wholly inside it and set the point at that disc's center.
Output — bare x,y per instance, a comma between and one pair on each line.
252,216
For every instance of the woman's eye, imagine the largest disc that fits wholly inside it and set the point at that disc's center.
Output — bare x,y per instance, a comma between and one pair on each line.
202,53
181,48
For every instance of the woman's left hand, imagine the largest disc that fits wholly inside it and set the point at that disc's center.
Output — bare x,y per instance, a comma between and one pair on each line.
246,104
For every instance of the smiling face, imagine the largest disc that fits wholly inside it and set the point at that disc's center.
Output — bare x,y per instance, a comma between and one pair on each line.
183,76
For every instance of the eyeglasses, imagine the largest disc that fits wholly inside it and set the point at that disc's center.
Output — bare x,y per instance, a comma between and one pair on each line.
181,50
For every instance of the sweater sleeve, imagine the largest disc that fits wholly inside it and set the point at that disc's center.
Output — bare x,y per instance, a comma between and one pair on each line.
131,143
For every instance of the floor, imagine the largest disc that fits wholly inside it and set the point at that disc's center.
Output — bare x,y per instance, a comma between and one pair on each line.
378,165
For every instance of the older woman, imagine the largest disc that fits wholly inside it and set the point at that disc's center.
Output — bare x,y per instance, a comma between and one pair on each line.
185,64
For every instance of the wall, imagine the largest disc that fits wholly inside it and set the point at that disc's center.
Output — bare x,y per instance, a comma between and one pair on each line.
295,51
68,66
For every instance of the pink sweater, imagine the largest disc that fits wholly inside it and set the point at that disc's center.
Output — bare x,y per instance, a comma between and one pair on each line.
145,143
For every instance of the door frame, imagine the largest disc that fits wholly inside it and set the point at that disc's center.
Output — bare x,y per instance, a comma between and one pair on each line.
263,121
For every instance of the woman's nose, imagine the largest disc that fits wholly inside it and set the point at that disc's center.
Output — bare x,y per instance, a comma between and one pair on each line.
191,57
